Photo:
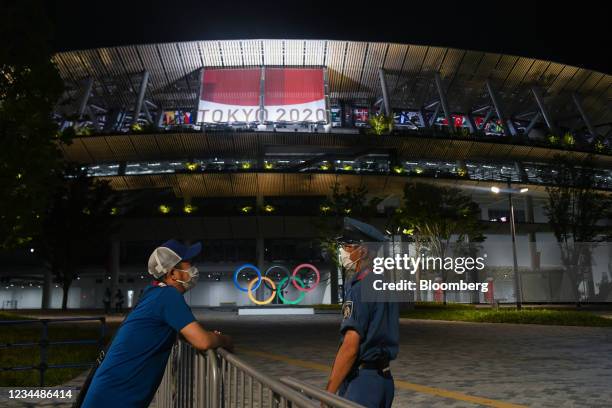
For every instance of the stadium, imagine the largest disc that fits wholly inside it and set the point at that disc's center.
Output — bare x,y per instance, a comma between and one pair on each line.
239,144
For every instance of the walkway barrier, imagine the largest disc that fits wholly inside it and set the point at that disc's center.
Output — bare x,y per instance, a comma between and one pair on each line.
219,379
326,398
43,343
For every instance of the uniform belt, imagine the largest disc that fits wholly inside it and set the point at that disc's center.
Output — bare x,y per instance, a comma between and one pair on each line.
382,366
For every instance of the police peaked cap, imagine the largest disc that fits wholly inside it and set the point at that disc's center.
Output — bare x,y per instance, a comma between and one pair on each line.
357,231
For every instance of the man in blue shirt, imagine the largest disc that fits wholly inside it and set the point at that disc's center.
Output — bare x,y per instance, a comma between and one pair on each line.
369,330
134,364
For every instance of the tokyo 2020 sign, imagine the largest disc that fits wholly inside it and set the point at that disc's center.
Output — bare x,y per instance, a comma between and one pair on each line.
277,290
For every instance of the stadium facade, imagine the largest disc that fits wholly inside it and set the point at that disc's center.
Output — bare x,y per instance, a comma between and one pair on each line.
242,140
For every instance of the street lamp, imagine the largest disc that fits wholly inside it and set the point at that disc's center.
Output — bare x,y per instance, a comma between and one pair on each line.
510,191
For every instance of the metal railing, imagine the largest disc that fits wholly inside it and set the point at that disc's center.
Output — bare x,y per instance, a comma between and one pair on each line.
326,398
220,379
191,379
44,344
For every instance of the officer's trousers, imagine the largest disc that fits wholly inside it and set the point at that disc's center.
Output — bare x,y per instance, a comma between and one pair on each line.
367,387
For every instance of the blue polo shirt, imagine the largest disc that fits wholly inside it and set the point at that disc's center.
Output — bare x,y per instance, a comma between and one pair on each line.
376,322
134,365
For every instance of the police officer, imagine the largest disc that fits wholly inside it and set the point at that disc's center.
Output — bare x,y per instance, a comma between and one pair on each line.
369,330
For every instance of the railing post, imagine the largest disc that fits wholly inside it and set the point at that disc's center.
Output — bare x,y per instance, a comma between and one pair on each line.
44,342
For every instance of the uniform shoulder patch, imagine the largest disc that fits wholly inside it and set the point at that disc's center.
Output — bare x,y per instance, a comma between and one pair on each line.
347,309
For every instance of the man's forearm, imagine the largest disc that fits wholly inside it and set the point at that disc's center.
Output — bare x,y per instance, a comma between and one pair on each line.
342,366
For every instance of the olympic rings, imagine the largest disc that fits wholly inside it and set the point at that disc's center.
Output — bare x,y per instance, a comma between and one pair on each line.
243,267
282,268
279,292
276,290
250,291
312,268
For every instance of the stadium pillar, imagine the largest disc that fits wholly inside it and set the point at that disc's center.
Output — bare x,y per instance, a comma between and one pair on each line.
486,119
85,97
260,247
533,122
585,118
141,94
385,92
540,101
534,255
509,129
443,102
470,122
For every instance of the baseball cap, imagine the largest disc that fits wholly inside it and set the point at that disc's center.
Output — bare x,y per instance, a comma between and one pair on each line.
167,255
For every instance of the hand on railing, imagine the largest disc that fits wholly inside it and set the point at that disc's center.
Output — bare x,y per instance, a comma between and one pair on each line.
227,342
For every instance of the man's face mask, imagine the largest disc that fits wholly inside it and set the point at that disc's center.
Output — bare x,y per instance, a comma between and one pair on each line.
350,257
193,277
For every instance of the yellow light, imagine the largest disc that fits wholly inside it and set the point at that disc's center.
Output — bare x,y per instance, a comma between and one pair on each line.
189,209
325,208
408,231
347,167
191,166
398,169
268,208
495,189
246,165
461,172
268,166
347,210
164,209
114,211
418,170
246,209
324,166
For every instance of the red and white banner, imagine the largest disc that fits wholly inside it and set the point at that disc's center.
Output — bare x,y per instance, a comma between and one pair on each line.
229,95
290,95
294,95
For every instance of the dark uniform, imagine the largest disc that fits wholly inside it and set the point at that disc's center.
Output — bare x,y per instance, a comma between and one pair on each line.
370,382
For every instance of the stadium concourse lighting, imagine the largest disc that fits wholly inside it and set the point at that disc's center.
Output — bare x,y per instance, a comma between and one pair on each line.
517,281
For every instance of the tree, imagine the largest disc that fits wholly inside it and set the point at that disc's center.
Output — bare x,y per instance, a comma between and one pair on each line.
29,88
574,209
79,221
433,215
353,202
381,124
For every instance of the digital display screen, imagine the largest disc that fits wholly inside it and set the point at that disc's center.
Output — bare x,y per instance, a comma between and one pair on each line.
409,119
336,116
177,117
361,116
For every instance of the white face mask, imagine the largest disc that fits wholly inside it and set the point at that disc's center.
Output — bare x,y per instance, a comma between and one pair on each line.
193,277
349,265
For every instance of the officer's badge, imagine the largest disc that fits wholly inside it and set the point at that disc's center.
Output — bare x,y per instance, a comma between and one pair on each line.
347,309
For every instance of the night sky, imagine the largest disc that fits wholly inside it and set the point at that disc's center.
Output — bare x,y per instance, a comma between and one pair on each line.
576,33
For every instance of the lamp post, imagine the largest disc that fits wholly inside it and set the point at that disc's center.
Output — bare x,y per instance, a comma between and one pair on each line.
517,281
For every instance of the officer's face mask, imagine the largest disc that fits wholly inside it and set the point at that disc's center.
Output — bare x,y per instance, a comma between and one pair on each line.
193,277
349,258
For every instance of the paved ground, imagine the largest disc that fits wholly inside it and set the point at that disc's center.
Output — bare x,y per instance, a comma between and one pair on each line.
539,366
442,364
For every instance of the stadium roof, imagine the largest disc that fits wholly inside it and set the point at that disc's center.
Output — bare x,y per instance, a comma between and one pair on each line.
353,74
